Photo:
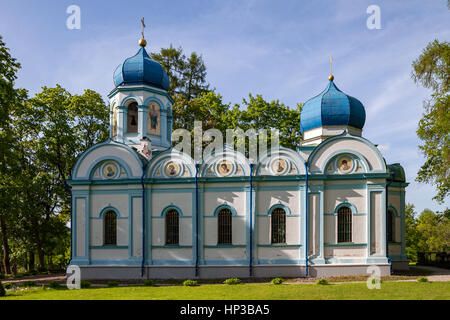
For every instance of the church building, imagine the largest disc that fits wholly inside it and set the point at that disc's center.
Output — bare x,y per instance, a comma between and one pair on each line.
143,210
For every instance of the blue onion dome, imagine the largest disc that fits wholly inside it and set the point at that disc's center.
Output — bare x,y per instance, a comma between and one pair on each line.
141,69
332,107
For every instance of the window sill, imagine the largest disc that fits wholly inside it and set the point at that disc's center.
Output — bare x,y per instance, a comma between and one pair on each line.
345,244
108,246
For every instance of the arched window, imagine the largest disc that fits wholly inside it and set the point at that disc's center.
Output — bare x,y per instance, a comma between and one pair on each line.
344,224
390,225
132,118
278,226
110,228
172,227
224,227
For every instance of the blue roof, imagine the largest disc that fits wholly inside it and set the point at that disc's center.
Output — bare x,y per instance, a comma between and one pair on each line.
141,69
332,107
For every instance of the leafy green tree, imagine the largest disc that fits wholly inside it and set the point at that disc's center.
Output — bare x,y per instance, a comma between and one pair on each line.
260,114
432,70
411,235
434,231
10,99
187,75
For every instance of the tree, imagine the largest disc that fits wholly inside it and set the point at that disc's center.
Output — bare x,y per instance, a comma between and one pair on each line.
10,98
259,114
434,231
411,235
187,75
432,70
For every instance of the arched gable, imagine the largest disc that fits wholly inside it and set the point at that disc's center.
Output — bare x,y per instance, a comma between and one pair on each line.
225,163
171,164
360,148
129,97
115,152
225,206
279,162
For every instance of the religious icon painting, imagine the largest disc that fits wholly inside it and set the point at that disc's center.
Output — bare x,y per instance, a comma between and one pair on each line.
110,170
153,119
279,166
172,169
224,168
345,165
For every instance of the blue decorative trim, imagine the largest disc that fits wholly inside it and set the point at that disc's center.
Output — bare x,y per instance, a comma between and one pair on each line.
225,206
345,134
281,206
345,204
171,207
99,145
109,208
125,100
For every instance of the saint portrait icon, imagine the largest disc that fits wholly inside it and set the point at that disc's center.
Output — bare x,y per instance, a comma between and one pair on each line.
153,119
224,168
345,165
172,169
279,166
109,171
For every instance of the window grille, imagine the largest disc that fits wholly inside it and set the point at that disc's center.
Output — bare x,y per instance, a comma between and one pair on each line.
172,227
278,226
224,227
344,225
110,228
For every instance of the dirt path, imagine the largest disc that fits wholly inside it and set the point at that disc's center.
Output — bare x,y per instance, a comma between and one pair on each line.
437,274
40,279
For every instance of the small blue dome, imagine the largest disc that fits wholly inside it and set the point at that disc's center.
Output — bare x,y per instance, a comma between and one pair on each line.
332,107
141,69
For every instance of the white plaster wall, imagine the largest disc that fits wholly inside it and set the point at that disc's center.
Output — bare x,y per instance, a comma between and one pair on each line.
345,252
185,235
109,254
96,232
357,197
278,253
267,198
101,201
292,230
172,254
330,229
225,253
181,200
158,231
235,199
263,230
112,150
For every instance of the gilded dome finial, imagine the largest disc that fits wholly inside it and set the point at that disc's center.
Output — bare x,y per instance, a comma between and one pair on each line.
331,77
142,41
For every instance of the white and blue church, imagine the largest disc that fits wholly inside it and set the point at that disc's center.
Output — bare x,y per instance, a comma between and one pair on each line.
144,210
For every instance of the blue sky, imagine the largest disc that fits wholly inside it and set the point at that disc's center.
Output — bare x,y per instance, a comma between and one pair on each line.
279,49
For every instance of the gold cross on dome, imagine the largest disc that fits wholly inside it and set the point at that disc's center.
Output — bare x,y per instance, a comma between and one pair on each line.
143,27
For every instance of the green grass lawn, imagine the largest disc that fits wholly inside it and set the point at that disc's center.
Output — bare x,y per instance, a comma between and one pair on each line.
251,291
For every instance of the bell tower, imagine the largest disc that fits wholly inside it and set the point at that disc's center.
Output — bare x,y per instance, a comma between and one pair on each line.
140,106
